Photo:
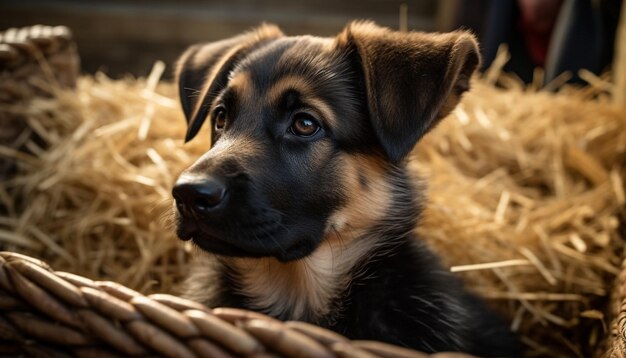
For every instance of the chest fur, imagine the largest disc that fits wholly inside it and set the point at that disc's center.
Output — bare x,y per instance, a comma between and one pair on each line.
305,289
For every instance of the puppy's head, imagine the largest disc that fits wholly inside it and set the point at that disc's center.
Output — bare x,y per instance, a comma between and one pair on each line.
301,124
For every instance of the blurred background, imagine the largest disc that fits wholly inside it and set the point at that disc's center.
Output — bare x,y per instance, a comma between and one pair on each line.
127,36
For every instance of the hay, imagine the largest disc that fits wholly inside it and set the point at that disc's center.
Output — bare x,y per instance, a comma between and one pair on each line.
526,194
92,202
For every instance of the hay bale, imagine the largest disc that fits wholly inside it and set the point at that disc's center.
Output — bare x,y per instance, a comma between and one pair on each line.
525,199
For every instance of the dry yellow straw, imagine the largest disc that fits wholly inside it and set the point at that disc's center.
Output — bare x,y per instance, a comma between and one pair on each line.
526,193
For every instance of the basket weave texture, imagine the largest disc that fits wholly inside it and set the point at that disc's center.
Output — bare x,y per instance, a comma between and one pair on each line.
32,58
34,61
48,313
616,342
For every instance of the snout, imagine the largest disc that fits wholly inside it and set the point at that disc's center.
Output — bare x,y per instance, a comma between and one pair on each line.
225,210
200,196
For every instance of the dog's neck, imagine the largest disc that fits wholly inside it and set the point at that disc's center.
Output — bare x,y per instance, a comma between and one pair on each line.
303,289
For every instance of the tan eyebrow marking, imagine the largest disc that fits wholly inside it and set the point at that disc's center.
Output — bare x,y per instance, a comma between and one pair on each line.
243,85
243,88
307,93
291,82
240,79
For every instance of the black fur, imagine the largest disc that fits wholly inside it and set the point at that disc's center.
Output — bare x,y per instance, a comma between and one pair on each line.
385,90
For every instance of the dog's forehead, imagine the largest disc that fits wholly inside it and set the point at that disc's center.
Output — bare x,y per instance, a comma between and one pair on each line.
312,59
316,70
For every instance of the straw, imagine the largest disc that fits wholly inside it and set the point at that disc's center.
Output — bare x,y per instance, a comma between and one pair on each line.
525,196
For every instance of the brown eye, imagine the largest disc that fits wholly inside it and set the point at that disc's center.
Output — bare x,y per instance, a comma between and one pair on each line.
219,115
304,125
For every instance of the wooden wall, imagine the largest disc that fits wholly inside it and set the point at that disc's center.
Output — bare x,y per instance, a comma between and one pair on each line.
126,36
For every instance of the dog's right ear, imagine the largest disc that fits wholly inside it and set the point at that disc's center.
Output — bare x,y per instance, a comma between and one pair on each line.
202,71
411,80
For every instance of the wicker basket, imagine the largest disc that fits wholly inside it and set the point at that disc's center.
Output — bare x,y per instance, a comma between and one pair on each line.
616,342
47,313
33,57
33,61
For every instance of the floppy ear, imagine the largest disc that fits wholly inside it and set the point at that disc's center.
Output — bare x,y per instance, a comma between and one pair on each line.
411,79
202,71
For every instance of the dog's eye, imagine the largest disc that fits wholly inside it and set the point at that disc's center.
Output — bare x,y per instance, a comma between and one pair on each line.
304,125
219,115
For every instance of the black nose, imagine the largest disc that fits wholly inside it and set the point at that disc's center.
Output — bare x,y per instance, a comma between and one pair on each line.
198,195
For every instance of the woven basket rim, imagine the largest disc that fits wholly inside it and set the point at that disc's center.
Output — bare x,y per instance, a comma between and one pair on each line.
63,312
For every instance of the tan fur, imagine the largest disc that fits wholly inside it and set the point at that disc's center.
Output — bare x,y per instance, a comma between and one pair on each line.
285,84
244,87
307,93
365,205
305,287
239,147
241,83
201,284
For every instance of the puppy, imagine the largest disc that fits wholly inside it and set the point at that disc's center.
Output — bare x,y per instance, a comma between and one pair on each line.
304,200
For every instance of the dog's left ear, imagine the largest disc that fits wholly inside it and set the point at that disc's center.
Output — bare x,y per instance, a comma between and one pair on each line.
411,79
202,71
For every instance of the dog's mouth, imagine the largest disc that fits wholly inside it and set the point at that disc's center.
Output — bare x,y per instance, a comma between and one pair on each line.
257,238
246,225
221,246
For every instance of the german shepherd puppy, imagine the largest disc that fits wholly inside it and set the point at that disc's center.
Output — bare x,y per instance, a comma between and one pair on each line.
304,199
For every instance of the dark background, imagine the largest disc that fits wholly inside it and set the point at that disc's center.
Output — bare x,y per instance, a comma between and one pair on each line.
128,36
120,36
